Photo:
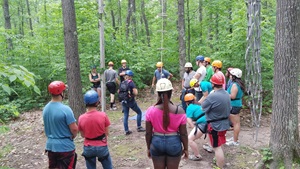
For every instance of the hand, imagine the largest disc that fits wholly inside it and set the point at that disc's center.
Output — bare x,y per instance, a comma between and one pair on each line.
148,154
152,85
185,154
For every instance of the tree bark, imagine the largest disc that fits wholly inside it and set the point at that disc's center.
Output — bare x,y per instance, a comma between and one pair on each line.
284,141
200,21
128,19
133,20
30,20
72,58
144,18
188,31
181,38
6,15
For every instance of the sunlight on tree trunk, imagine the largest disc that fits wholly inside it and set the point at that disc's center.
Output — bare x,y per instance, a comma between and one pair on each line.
181,36
72,59
284,141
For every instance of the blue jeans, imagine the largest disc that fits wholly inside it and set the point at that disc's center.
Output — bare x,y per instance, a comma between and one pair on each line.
133,105
90,154
166,146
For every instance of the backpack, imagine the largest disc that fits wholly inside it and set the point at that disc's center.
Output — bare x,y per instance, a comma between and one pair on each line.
124,93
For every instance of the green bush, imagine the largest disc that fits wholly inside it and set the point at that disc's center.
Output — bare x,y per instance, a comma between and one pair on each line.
8,112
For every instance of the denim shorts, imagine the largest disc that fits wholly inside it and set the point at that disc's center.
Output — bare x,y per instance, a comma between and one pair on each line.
235,110
166,146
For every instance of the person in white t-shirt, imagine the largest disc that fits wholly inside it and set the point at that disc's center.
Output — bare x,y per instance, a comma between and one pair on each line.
200,75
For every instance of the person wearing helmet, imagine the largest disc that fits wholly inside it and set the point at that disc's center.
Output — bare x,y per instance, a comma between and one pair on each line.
227,75
197,121
60,129
200,75
123,69
166,132
111,78
217,66
235,90
95,78
93,126
185,83
129,102
206,88
209,69
217,109
160,72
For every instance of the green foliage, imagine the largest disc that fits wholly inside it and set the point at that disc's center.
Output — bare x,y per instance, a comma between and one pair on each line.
266,156
3,129
8,112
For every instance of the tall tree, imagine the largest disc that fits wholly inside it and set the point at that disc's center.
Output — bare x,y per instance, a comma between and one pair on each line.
181,36
72,58
6,15
144,18
29,15
284,141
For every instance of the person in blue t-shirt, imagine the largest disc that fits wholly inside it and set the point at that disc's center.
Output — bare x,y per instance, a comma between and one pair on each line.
60,129
236,91
131,104
160,73
195,119
206,88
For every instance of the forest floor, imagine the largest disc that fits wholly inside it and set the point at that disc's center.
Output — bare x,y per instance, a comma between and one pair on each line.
22,142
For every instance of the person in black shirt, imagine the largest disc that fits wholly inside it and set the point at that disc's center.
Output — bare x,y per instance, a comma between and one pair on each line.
123,69
94,78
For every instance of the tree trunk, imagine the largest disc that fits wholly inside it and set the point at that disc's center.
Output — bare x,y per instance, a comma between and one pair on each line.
6,15
133,20
113,23
181,38
120,13
210,34
144,18
200,21
72,58
284,141
188,31
29,15
128,19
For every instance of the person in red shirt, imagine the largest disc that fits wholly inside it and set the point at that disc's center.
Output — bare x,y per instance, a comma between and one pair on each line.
93,126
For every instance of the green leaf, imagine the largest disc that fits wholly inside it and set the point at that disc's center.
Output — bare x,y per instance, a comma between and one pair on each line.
6,88
12,78
36,90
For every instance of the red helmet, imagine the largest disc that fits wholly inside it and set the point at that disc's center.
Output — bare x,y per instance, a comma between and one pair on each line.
218,79
56,87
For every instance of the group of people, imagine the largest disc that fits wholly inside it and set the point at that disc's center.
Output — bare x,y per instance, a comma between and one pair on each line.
206,107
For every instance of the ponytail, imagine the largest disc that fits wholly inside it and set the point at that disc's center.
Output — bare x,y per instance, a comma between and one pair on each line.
164,98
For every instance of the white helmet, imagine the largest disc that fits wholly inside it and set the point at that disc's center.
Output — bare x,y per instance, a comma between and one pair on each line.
236,72
188,64
163,85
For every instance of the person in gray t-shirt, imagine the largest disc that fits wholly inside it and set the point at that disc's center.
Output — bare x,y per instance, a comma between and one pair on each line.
111,78
217,109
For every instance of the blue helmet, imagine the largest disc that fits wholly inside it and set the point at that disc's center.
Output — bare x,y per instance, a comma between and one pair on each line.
91,97
129,73
200,58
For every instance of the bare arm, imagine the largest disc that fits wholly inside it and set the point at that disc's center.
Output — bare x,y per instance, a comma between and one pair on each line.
153,80
197,76
233,91
170,76
184,139
74,129
182,82
190,122
135,91
117,81
205,94
90,78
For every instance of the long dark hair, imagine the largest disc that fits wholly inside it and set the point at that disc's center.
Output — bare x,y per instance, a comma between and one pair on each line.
239,82
164,98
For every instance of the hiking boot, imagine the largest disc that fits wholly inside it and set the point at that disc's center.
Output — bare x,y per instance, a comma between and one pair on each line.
232,143
141,129
195,158
128,132
208,148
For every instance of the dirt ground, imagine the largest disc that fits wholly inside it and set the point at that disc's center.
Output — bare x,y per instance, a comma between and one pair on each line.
22,146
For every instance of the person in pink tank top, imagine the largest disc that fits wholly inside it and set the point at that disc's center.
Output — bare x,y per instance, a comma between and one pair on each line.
166,133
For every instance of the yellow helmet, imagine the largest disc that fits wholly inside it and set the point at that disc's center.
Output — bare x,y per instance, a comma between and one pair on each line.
159,64
217,64
110,63
193,82
123,61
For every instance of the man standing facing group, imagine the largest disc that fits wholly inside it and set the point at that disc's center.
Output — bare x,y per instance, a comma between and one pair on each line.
111,78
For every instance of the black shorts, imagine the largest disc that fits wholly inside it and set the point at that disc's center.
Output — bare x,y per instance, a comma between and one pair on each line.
235,110
111,87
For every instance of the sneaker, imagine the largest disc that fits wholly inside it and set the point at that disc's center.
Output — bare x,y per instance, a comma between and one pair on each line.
114,108
111,109
208,148
230,139
141,129
232,143
195,158
128,132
